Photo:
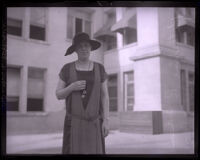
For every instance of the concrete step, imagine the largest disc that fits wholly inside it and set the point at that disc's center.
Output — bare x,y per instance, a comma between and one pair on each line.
136,129
144,115
136,122
132,122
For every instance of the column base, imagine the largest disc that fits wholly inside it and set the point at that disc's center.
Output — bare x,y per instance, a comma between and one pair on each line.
176,121
142,122
155,122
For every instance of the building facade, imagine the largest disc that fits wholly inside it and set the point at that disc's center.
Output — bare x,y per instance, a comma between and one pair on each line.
148,54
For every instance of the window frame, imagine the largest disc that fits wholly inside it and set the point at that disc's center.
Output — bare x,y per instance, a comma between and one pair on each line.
185,97
20,71
12,96
183,84
44,89
188,87
125,38
112,41
24,79
21,21
184,32
26,27
126,97
46,17
125,31
78,15
113,85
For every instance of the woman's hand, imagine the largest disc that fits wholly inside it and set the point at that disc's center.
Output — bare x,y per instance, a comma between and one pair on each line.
105,128
105,107
78,85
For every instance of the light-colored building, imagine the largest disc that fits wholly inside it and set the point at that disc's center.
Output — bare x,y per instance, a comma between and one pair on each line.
148,54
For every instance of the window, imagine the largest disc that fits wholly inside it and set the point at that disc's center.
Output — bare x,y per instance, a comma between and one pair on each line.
129,32
112,90
15,17
185,32
78,21
190,37
70,27
110,42
29,23
14,27
127,25
35,90
187,90
129,90
129,36
191,90
13,88
180,36
185,35
37,23
183,90
78,25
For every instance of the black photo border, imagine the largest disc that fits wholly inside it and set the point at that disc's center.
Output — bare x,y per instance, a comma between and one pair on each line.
58,3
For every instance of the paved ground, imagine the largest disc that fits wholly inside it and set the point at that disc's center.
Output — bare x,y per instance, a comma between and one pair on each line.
116,143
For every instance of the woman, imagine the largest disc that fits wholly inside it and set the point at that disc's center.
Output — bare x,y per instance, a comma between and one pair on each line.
83,85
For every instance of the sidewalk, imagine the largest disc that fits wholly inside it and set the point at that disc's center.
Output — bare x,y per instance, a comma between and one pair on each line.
116,143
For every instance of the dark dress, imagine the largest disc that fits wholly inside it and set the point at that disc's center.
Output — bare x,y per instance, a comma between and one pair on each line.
70,144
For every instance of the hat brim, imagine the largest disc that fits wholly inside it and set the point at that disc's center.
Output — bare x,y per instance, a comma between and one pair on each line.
94,45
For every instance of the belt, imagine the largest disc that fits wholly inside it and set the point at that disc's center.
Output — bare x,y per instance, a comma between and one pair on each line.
89,119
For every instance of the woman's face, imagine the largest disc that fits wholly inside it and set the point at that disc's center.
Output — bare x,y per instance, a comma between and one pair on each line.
83,50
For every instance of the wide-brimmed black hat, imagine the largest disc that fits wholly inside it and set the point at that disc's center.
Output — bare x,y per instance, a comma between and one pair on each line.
80,37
